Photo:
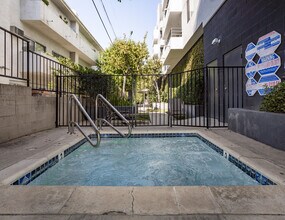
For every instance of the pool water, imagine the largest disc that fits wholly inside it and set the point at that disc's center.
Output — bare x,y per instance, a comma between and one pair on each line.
181,161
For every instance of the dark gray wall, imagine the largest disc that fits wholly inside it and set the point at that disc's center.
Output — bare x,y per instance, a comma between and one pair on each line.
239,22
264,127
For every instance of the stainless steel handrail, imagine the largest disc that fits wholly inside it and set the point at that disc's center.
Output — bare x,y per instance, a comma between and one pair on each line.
99,96
71,123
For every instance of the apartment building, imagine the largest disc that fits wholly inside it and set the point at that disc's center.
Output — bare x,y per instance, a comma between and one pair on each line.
52,29
179,26
247,33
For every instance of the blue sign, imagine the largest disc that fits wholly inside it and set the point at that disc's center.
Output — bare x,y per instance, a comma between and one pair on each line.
250,51
269,64
250,69
268,44
251,87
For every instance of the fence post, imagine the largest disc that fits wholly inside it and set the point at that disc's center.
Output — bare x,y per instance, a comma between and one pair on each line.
133,100
206,73
28,64
170,102
56,104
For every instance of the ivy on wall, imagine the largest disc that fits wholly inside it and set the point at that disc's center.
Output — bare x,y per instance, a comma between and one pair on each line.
194,59
190,86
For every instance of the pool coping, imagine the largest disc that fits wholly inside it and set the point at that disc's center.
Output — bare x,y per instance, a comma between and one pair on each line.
57,202
16,175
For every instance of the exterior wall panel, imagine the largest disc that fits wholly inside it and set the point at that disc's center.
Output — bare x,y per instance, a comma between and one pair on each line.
238,24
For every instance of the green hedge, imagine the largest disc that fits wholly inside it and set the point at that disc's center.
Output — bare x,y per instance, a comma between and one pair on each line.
275,100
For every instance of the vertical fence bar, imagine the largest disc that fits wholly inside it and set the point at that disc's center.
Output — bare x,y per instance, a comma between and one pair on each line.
224,91
242,88
23,62
218,94
233,89
17,53
214,93
57,100
237,85
207,96
28,64
170,100
11,47
5,53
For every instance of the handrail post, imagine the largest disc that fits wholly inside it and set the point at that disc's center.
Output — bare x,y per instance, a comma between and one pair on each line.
99,96
71,123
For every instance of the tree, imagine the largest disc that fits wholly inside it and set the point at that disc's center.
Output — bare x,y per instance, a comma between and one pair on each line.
124,57
153,66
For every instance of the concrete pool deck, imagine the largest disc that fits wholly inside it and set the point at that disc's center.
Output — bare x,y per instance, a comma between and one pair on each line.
70,202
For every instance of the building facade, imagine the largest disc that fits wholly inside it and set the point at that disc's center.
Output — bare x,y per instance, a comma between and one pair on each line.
240,26
179,26
52,28
247,33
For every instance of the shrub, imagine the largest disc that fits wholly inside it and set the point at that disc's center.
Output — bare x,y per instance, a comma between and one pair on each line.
275,100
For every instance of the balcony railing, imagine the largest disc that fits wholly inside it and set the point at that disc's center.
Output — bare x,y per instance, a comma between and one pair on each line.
37,14
174,32
20,66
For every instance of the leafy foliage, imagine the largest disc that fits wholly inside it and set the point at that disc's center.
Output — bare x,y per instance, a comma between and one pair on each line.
192,92
124,57
87,81
127,59
275,100
193,60
190,86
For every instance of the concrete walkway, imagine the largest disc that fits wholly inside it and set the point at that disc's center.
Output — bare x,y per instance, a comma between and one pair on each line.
65,202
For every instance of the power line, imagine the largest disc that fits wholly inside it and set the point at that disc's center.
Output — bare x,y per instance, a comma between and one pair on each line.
102,21
108,18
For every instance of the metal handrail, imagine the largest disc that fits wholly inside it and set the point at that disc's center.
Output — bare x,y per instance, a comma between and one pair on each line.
72,123
99,96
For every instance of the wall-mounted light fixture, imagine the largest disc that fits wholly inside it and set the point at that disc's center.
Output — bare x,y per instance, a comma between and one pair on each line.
216,41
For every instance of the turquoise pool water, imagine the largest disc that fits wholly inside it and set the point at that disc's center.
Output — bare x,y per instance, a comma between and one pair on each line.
175,161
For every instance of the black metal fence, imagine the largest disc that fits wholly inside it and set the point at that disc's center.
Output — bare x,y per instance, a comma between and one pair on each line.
21,65
197,98
13,57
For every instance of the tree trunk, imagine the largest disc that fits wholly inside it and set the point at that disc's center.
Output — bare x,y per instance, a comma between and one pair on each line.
157,90
124,86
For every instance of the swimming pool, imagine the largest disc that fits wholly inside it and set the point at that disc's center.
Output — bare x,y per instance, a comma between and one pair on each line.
166,160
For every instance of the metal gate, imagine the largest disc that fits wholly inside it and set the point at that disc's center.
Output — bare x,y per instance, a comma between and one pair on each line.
197,98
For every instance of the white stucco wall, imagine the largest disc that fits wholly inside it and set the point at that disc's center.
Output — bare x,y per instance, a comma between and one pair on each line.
201,11
10,11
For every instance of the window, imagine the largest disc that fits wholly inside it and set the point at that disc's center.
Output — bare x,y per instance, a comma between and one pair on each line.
188,10
55,54
40,48
34,46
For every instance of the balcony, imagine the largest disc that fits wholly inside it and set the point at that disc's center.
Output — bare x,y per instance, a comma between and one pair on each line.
172,15
156,51
174,45
156,36
48,21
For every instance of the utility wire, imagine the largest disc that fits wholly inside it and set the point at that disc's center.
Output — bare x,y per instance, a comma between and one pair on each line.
102,21
108,18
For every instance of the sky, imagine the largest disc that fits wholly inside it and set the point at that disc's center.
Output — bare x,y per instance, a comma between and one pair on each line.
137,16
